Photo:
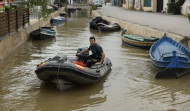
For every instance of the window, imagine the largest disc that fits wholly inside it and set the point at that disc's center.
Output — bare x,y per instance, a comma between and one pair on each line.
147,3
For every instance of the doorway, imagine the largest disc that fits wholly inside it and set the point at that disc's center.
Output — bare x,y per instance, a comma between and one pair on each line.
159,5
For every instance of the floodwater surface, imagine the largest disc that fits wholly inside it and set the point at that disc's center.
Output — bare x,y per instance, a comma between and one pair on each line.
129,86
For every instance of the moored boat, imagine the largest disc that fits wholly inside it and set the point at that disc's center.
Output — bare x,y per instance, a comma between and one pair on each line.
58,20
43,33
72,70
138,41
63,14
94,22
171,58
108,28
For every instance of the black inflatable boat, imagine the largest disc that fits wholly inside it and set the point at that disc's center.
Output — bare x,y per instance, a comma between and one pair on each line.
94,22
72,70
108,28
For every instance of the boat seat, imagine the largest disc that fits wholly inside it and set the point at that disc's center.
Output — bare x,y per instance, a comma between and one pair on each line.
167,52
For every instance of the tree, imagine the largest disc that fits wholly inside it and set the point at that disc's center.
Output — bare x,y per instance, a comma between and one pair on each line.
44,12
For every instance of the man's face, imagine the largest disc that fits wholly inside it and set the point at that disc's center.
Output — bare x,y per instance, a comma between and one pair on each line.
92,42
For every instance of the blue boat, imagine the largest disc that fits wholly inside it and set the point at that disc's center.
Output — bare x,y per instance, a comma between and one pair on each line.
57,20
171,58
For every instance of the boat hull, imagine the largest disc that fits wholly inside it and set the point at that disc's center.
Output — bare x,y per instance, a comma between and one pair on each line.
109,28
42,35
137,41
143,45
170,58
165,72
57,20
93,23
63,14
69,71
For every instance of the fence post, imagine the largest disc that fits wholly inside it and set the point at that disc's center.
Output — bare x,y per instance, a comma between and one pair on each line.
23,24
8,16
16,20
28,16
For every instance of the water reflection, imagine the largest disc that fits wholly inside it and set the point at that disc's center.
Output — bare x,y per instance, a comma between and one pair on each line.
79,97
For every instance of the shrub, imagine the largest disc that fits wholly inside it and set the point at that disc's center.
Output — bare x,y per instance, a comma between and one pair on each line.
174,8
12,7
181,2
94,7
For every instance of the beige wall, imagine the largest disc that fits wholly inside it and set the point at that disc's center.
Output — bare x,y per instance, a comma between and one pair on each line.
130,5
154,4
140,5
165,2
126,5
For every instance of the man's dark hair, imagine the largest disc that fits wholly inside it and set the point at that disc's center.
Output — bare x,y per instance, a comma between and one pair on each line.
92,37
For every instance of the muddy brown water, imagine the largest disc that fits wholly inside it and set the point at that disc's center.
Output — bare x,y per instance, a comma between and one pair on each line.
129,86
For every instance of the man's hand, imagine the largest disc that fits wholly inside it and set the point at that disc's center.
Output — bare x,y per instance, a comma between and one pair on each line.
98,63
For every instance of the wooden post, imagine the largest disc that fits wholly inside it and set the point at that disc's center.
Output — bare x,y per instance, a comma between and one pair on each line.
8,16
16,20
23,24
28,16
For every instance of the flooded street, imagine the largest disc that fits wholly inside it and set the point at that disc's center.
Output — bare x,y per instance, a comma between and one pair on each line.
130,85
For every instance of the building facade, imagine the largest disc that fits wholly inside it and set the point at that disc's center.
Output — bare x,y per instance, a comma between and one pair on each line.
147,5
185,9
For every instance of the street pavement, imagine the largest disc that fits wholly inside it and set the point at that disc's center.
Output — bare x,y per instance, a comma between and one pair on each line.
177,24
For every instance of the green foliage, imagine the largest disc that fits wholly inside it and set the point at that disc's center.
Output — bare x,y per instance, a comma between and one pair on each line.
12,7
181,2
175,7
94,7
45,12
63,1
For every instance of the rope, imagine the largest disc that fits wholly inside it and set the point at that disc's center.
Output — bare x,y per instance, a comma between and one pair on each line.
59,67
58,85
163,69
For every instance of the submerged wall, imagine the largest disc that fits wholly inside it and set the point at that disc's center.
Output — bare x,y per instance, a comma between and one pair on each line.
9,43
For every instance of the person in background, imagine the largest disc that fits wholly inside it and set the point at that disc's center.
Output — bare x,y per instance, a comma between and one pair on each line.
105,2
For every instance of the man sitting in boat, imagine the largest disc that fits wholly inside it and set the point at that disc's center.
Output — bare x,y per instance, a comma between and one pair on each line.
97,53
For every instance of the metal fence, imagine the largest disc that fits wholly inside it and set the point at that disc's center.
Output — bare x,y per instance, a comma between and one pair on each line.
12,20
35,12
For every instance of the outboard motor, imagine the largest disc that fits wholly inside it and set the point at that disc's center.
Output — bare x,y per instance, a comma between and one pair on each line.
82,57
82,49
